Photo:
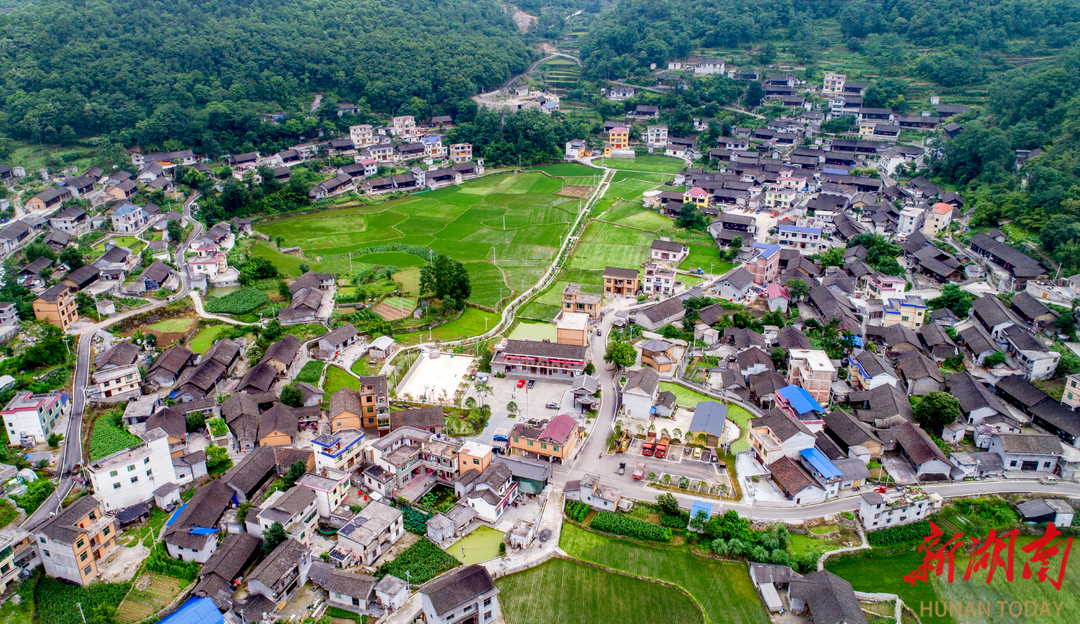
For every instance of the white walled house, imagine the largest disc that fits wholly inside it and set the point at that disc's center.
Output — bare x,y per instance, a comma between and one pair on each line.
331,487
639,393
464,594
129,477
34,415
878,512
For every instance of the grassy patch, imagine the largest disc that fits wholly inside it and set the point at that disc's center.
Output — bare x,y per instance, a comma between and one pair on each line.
604,244
706,257
589,595
724,590
206,337
8,513
56,601
338,378
127,242
567,169
685,396
470,323
363,367
173,325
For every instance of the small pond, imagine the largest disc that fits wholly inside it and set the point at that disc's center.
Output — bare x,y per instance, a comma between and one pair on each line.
478,546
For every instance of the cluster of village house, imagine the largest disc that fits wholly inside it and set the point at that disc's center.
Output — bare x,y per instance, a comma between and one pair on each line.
360,449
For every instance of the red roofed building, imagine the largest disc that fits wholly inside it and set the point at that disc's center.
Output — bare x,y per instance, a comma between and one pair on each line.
937,219
553,440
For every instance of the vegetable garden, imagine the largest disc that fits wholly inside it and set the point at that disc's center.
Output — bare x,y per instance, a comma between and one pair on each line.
56,602
109,436
422,561
610,522
896,535
243,301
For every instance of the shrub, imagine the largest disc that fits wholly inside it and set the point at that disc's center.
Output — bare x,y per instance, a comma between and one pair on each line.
576,510
423,561
677,521
415,520
160,562
616,524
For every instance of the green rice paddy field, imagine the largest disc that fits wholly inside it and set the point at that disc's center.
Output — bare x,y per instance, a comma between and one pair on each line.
650,163
723,590
588,595
504,228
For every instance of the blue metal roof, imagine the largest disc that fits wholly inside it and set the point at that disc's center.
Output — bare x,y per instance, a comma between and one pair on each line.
176,514
800,229
195,611
817,459
767,250
697,506
799,399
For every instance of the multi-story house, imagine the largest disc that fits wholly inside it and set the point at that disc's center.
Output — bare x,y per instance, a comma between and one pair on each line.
49,199
404,126
129,477
490,493
619,138
909,311
765,265
116,371
339,450
779,198
699,197
367,409
463,595
395,460
282,573
29,415
192,534
656,136
937,219
128,218
72,220
884,287
296,510
17,555
331,488
879,511
833,84
555,439
368,535
804,239
574,300
658,281
362,136
620,281
667,251
57,305
812,371
72,542
1071,396
461,152
639,393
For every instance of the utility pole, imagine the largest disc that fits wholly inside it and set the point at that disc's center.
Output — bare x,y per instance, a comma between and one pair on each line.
81,614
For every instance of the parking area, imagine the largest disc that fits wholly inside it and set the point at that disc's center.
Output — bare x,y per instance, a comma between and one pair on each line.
531,404
676,460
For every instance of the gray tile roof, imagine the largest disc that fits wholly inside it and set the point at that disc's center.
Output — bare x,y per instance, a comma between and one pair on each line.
457,587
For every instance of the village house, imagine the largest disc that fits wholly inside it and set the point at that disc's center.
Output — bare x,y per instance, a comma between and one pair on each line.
72,542
57,306
130,477
368,535
639,393
552,440
467,593
539,360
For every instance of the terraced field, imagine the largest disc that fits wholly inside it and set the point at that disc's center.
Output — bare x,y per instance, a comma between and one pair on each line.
504,228
150,593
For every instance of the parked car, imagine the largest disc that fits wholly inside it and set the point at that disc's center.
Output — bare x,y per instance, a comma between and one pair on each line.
532,382
687,450
521,383
697,453
500,435
597,331
622,468
552,405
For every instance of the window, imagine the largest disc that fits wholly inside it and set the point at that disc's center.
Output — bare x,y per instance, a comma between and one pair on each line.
113,473
105,532
86,571
555,448
134,479
131,467
515,440
82,557
146,461
1012,464
543,446
487,615
487,602
92,515
476,462
149,474
46,553
116,486
42,540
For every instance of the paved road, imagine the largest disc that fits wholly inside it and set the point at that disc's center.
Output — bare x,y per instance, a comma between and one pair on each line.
532,68
72,452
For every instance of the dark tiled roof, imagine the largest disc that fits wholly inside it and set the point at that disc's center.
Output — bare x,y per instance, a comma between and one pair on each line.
457,587
790,476
260,378
917,444
172,360
646,379
545,349
848,429
171,421
1018,387
781,423
663,310
283,350
791,337
280,418
829,597
419,417
1027,444
122,354
287,555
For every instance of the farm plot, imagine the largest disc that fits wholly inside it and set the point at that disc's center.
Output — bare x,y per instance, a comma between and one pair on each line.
150,593
632,190
723,590
649,163
243,301
706,257
590,595
55,602
603,245
512,222
423,561
563,170
658,178
394,308
109,436
472,322
203,340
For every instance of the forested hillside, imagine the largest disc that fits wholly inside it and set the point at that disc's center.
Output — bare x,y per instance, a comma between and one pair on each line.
188,70
637,33
1027,109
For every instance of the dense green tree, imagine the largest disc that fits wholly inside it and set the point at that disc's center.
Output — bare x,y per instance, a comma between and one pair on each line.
954,298
273,536
935,410
296,470
445,278
291,396
621,354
